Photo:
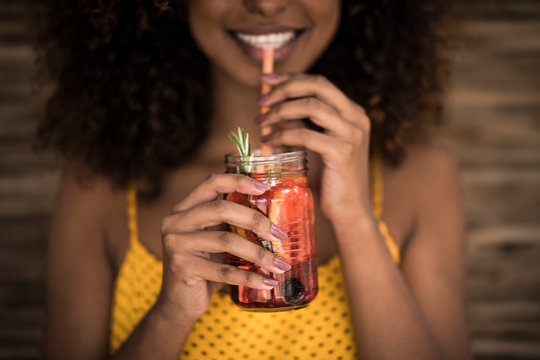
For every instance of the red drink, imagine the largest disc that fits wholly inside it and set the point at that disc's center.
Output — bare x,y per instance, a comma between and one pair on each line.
289,205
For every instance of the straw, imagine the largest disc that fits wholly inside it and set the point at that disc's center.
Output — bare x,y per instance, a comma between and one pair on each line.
267,68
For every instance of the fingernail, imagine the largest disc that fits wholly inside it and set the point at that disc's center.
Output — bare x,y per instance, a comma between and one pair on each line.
265,138
263,98
261,186
282,264
278,232
268,76
270,282
259,119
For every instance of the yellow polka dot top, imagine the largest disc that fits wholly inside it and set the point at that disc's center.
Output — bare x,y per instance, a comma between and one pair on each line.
322,330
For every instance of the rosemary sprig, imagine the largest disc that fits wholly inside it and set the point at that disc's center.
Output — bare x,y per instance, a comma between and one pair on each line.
241,140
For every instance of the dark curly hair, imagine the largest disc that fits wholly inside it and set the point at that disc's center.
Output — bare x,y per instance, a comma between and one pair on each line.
130,81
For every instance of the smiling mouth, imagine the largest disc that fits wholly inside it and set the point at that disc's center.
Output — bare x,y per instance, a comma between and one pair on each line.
267,41
253,42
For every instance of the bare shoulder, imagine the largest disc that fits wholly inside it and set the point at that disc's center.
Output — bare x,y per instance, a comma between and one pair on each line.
87,207
80,271
431,177
425,162
431,172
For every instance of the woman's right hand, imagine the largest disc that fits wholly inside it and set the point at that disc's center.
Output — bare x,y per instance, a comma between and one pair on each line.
192,267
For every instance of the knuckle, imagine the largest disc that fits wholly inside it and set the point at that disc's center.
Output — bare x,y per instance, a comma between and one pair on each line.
220,206
359,136
225,239
258,218
176,263
311,102
276,111
211,179
239,179
249,278
347,150
262,254
319,80
168,243
303,135
165,226
224,272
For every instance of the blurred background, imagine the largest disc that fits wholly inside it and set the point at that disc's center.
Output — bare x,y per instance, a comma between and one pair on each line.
493,128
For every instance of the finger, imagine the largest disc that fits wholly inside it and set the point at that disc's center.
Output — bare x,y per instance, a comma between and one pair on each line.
223,241
328,146
302,85
217,184
319,112
201,268
221,211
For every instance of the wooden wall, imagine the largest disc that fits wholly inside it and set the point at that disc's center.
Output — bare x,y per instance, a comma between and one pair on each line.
493,128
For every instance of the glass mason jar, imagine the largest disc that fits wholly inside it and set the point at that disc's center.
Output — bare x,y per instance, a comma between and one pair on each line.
289,205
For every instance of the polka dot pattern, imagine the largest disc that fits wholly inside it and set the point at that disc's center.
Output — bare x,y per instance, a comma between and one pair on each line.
322,330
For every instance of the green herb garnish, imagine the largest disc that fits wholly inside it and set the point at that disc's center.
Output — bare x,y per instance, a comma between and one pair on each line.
241,140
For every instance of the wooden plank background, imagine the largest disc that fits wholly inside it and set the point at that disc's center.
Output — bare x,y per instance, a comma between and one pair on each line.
493,112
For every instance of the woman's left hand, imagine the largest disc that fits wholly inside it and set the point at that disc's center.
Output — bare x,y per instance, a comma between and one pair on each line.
344,146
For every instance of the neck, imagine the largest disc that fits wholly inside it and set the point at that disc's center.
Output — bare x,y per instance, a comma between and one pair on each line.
235,105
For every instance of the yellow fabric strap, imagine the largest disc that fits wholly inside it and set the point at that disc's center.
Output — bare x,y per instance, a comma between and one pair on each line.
377,201
132,212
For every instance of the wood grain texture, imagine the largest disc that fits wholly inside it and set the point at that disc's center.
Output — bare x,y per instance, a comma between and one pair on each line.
493,128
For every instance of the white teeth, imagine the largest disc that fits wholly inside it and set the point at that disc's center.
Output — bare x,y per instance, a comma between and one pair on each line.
271,41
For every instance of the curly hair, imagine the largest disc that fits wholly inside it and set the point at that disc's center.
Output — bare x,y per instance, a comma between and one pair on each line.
129,100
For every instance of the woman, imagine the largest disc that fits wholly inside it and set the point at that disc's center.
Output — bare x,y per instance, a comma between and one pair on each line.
146,95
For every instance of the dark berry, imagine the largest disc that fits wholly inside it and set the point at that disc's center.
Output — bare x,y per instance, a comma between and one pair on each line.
293,291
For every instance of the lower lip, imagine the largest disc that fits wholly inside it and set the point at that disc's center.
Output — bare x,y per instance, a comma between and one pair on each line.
256,53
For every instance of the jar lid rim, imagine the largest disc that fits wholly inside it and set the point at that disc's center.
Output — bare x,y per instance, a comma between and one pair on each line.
280,154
